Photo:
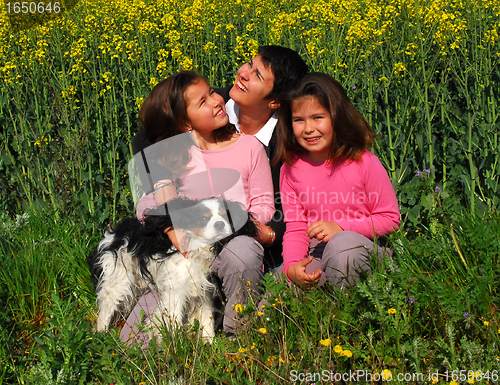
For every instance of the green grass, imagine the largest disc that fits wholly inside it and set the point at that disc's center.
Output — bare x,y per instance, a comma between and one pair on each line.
425,75
443,289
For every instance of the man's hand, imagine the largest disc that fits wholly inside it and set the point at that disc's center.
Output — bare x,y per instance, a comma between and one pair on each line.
297,274
323,230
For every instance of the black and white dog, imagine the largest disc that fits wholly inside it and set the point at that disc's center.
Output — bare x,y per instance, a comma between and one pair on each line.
134,257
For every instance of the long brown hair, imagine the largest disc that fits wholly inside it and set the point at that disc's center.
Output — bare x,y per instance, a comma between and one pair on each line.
351,133
163,115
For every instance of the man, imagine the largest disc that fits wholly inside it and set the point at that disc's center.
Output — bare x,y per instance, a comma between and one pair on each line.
251,105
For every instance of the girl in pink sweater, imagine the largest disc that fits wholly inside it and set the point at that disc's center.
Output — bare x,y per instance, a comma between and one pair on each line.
198,154
336,195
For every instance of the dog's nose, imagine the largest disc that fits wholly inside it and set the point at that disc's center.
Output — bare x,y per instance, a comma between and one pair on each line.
219,226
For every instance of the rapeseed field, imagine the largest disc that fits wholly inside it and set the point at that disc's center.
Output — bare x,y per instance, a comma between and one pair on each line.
425,74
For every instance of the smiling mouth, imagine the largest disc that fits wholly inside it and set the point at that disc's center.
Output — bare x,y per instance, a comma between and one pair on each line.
241,87
315,139
220,113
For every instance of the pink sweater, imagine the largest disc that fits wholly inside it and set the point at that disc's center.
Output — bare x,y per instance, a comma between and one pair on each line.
240,171
357,195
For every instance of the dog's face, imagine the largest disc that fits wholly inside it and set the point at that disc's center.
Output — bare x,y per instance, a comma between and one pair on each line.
206,221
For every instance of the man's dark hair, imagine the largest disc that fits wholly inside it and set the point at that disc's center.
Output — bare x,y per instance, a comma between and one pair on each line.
287,66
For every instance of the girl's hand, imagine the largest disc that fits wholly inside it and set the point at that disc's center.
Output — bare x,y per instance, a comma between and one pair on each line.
323,230
179,240
297,274
165,193
266,234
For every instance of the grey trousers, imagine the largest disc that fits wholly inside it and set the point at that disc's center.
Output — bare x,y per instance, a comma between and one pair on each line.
239,266
344,257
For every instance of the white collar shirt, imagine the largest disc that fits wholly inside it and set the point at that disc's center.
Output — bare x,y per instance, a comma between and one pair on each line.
265,133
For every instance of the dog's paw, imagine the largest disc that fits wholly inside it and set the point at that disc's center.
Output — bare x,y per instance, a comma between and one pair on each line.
207,338
208,332
101,326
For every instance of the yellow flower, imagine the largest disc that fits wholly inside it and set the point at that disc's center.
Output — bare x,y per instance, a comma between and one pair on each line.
399,67
453,383
386,374
263,330
238,308
392,311
338,349
486,323
470,380
346,353
209,47
242,350
326,342
270,360
186,63
138,102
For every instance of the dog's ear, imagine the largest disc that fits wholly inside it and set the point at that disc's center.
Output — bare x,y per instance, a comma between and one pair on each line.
236,214
180,203
157,211
157,219
184,212
174,212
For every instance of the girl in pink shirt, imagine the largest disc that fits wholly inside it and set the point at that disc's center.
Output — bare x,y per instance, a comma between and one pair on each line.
198,154
336,195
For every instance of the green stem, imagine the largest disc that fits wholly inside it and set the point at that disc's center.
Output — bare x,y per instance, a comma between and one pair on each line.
388,118
443,120
26,190
370,99
428,119
127,115
91,183
51,195
472,168
423,63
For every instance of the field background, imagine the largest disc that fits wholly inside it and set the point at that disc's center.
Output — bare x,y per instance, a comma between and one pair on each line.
424,74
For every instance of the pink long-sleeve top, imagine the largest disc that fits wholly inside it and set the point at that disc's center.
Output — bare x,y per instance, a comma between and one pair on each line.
240,171
357,195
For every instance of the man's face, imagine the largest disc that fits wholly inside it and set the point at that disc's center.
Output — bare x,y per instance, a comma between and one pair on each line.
253,83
